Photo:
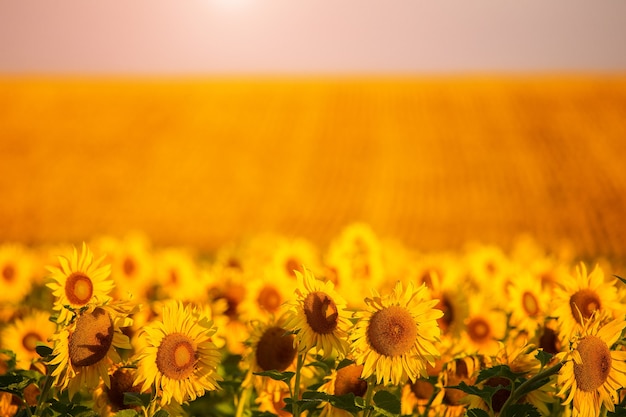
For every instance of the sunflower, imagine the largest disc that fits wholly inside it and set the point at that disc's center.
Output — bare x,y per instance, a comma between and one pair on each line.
394,337
318,316
343,381
529,304
176,275
417,395
179,358
7,406
16,272
86,349
582,295
485,325
22,336
592,373
79,283
270,347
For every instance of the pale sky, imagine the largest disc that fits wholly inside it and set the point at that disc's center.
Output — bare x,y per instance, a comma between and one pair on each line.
311,36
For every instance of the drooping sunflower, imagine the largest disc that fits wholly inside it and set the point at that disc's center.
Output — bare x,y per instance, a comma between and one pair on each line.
318,316
394,337
80,283
86,349
21,337
270,347
592,372
179,359
342,381
582,295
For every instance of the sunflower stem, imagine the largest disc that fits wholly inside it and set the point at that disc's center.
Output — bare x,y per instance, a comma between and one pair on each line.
243,400
45,392
296,386
371,382
515,396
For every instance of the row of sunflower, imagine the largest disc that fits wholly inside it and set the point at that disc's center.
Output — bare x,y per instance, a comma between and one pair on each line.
276,326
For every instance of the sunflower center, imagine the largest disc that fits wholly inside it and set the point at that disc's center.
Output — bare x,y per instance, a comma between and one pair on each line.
349,380
530,303
269,298
478,329
596,363
176,357
549,341
586,301
91,339
78,288
129,267
122,381
291,266
8,272
422,389
392,331
275,349
500,396
234,295
446,320
321,312
29,341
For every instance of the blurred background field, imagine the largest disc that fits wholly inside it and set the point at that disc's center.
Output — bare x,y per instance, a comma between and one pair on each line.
204,129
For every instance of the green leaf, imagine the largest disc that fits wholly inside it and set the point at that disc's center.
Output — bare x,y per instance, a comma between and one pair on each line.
618,412
137,399
521,410
485,393
345,402
344,362
161,413
322,365
501,371
543,357
15,382
43,350
127,413
476,412
532,386
386,403
11,362
277,376
620,278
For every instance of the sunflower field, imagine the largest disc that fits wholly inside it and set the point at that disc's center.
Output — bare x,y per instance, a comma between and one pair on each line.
275,325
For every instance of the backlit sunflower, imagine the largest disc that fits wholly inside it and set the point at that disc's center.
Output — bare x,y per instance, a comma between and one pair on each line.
179,359
592,373
86,349
79,283
343,381
582,295
21,337
394,337
318,316
485,326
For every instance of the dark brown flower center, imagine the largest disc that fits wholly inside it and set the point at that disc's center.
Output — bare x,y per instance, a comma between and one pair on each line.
78,288
596,363
30,339
453,396
349,380
584,302
321,312
275,349
234,295
122,381
91,339
549,341
500,396
392,331
8,272
176,357
447,319
479,330
530,303
269,299
422,389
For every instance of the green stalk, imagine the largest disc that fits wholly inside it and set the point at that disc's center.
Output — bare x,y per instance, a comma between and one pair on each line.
243,400
296,387
371,383
515,396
